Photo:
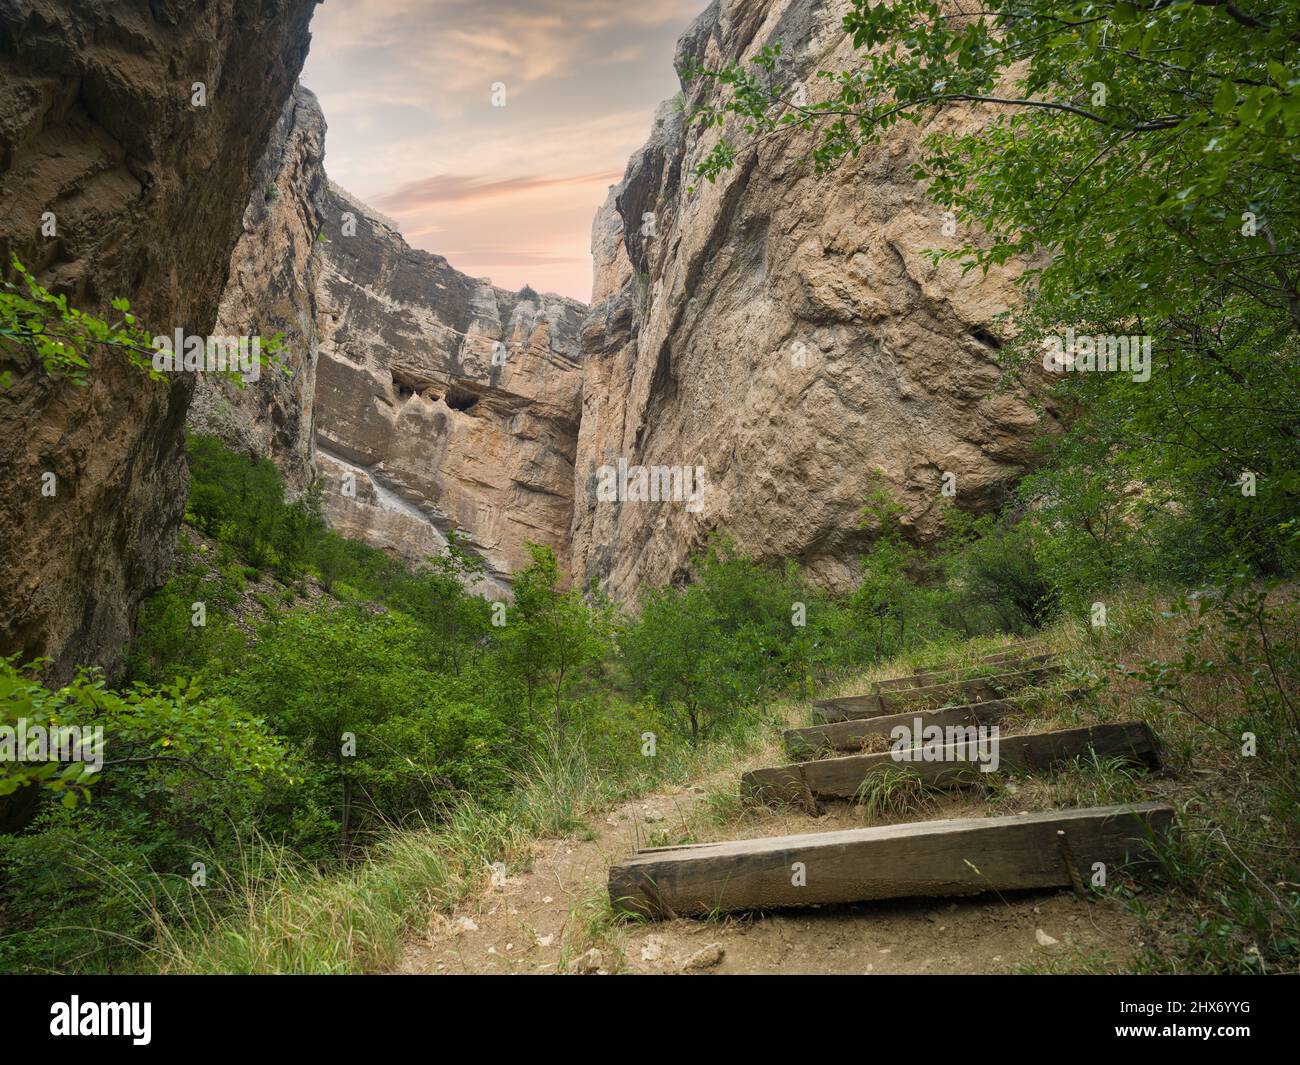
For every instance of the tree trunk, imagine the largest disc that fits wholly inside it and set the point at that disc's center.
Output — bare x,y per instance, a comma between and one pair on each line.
346,825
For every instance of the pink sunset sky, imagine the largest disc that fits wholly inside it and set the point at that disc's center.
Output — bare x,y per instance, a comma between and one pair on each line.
503,192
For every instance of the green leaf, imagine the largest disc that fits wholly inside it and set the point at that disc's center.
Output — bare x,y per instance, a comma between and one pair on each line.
1225,100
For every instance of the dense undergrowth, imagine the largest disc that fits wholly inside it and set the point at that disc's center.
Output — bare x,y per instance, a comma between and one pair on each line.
316,746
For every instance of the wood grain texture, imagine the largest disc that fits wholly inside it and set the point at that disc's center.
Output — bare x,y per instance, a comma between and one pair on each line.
928,858
931,696
953,765
816,740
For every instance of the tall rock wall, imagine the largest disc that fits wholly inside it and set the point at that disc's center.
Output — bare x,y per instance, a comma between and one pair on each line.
271,289
97,125
442,403
784,331
425,400
781,331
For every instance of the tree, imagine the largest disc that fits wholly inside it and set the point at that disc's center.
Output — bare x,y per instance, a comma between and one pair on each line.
993,572
377,732
170,727
551,635
1143,156
300,528
437,596
724,641
674,653
886,599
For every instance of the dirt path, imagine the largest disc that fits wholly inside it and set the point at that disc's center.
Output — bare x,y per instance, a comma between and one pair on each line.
554,917
549,919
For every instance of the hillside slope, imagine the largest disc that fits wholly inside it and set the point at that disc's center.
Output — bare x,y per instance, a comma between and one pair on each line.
552,914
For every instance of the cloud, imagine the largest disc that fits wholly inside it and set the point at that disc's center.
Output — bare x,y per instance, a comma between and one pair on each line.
497,258
406,87
454,188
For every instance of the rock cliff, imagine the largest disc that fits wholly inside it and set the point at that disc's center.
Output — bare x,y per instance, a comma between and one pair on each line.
783,331
99,128
780,333
442,403
425,400
271,289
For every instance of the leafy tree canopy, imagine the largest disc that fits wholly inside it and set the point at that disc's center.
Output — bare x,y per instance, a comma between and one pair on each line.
1140,163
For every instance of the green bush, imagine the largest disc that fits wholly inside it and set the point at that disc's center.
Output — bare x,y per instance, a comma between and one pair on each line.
994,579
79,885
169,644
378,730
77,890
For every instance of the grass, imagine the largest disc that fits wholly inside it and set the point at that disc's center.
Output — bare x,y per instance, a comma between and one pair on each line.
592,925
1225,896
893,792
287,916
291,917
1081,782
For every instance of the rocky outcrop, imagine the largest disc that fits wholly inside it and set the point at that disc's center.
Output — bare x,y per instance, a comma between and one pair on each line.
271,290
442,403
426,401
783,331
98,125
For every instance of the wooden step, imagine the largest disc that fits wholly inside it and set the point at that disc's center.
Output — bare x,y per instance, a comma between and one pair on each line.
817,740
1011,663
954,857
931,697
1007,653
949,765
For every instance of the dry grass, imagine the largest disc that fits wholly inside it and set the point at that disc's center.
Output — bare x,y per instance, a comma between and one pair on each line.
1226,898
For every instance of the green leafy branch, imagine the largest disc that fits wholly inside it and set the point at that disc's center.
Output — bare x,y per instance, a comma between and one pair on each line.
44,324
170,727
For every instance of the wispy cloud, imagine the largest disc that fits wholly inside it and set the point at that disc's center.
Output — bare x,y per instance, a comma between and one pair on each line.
458,188
476,257
507,192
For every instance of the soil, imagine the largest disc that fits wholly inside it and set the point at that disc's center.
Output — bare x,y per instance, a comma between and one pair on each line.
538,921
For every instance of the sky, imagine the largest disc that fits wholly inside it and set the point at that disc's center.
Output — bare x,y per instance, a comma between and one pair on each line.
505,192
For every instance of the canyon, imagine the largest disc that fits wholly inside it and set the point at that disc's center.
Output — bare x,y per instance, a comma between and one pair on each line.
781,331
424,401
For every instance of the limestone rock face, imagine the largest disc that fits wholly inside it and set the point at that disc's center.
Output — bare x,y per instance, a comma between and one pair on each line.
426,401
97,125
270,290
784,331
442,403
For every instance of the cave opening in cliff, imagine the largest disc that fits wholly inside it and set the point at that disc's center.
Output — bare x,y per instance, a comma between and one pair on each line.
460,399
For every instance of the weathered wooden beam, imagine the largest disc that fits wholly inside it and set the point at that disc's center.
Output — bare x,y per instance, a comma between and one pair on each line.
949,764
972,689
869,697
928,858
816,740
848,707
1007,654
1008,664
932,696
